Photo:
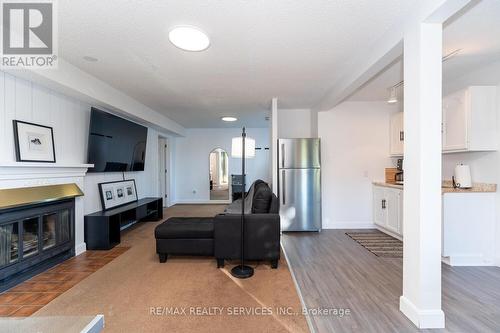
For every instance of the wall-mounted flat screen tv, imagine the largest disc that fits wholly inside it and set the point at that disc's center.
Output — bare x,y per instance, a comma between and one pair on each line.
115,144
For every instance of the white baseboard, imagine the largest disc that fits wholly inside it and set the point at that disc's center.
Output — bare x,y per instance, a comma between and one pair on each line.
423,319
80,248
390,233
201,202
350,225
468,261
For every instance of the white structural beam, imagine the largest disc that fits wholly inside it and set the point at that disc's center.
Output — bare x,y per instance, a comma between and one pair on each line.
421,299
72,81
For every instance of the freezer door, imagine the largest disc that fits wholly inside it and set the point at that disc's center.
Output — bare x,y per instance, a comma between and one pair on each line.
300,199
298,153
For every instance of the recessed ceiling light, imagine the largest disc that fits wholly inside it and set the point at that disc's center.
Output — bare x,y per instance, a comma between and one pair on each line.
90,59
189,38
230,119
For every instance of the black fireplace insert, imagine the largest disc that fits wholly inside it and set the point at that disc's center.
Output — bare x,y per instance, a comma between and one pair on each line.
34,238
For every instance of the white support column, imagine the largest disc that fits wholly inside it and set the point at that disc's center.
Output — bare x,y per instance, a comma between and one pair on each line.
274,145
421,300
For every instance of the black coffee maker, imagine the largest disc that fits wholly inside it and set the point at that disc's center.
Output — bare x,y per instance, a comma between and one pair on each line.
400,174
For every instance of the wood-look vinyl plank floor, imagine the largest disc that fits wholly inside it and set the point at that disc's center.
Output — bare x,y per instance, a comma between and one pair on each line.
333,271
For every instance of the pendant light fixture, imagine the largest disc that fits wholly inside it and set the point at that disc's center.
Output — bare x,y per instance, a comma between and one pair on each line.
393,98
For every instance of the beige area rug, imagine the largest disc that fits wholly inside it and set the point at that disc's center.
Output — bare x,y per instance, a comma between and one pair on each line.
138,294
379,243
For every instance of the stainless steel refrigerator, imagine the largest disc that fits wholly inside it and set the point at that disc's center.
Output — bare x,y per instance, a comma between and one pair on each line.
299,183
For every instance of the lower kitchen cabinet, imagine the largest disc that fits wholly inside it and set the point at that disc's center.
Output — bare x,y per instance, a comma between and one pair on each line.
388,209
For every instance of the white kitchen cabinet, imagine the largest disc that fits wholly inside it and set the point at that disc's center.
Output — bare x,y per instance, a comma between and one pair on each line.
388,209
397,134
379,211
470,120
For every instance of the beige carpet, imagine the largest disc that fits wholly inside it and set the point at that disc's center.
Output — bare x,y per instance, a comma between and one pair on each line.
126,290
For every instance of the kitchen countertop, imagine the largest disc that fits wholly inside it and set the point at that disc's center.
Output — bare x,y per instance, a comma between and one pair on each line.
448,187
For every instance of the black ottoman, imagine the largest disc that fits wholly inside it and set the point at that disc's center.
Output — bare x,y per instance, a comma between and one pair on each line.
185,236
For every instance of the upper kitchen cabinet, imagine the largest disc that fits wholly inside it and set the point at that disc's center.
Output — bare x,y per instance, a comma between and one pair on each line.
470,120
397,135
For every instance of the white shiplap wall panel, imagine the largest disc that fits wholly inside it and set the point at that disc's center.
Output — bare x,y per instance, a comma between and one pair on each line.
23,102
10,114
41,105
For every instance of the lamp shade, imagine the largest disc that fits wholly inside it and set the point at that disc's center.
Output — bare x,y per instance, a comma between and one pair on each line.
237,147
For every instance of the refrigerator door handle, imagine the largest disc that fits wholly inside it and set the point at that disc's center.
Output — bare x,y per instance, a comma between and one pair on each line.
282,155
283,187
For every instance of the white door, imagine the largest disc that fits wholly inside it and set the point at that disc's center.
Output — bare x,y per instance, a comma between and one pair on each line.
455,122
379,206
397,134
393,204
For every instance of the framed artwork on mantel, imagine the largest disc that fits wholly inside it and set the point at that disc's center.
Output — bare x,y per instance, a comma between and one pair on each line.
118,193
34,143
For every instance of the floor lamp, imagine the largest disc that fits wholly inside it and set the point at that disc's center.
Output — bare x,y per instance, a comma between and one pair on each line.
242,147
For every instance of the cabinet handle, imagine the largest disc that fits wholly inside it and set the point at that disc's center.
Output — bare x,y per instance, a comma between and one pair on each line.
384,204
401,136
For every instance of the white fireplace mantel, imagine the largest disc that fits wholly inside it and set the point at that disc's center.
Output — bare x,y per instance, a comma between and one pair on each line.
26,174
27,170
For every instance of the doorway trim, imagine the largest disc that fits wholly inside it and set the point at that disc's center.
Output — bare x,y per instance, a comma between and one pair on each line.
229,200
164,170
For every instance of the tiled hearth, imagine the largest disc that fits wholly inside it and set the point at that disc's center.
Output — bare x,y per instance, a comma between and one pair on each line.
31,295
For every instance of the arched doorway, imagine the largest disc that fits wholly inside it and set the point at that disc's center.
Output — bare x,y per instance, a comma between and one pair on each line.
218,174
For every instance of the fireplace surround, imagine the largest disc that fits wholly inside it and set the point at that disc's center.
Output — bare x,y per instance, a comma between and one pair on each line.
37,230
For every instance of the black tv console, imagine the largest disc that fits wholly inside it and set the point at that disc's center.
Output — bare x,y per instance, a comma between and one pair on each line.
102,229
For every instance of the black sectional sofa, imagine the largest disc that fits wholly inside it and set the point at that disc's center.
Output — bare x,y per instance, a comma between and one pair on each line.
220,236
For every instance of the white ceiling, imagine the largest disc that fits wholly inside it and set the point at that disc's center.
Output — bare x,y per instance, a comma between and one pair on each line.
293,50
476,31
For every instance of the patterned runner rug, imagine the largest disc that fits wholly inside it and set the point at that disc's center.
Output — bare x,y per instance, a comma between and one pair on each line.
378,243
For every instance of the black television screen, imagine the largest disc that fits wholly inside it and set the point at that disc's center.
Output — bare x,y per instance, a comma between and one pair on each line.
115,144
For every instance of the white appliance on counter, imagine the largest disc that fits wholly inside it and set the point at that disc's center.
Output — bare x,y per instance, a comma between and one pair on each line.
462,177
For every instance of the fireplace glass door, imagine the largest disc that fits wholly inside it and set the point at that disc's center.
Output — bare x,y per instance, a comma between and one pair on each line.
49,223
30,237
9,243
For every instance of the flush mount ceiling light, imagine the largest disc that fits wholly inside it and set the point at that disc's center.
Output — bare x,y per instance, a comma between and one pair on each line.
189,38
229,119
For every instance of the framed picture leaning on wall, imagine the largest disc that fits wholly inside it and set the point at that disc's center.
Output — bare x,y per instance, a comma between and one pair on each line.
34,143
117,193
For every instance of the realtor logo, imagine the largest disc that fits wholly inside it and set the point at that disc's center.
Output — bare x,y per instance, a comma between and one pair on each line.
28,34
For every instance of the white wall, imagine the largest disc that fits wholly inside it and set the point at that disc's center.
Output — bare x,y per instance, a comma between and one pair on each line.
69,117
354,152
485,166
192,160
296,123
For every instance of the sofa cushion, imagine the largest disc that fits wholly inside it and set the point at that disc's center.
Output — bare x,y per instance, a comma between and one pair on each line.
186,227
262,198
274,208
